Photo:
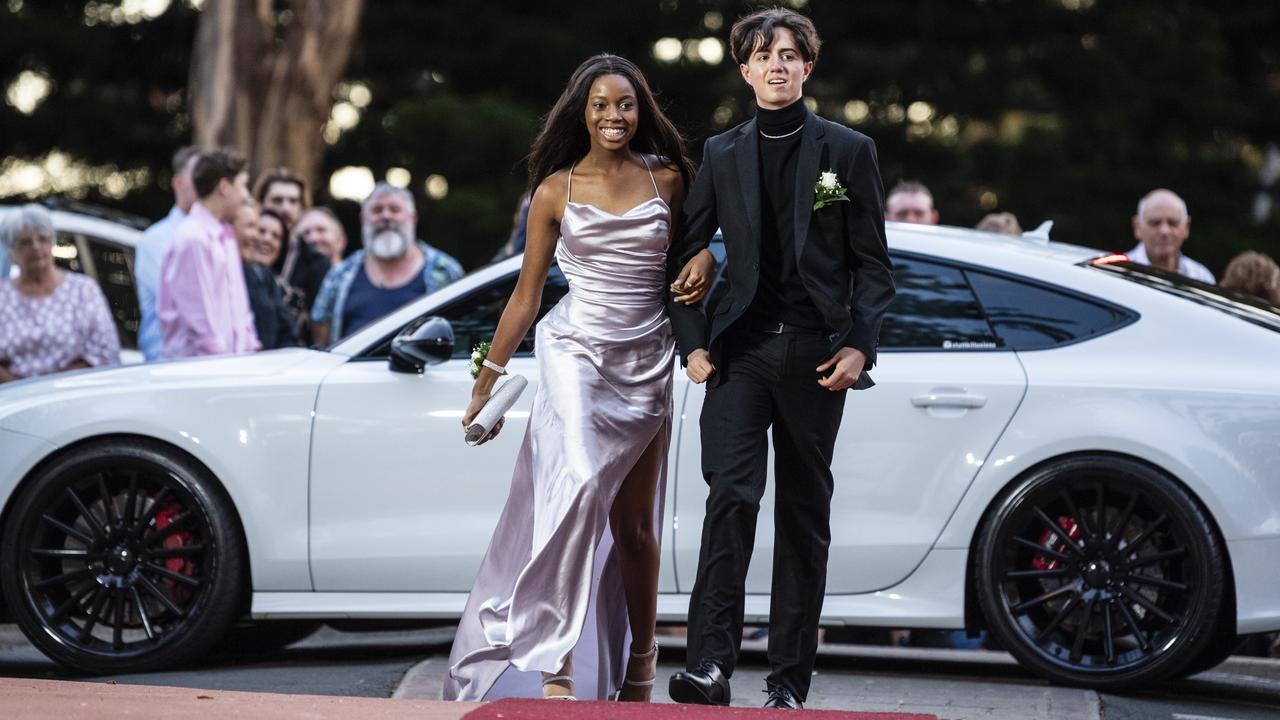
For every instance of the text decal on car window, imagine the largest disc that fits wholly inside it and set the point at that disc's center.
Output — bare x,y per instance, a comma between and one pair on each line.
967,345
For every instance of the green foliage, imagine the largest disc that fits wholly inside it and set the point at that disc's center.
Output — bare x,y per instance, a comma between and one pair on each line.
116,96
1062,109
1071,115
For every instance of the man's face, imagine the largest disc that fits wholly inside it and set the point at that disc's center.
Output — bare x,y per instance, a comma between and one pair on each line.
389,211
184,190
911,207
285,198
320,232
234,193
1163,227
777,73
388,226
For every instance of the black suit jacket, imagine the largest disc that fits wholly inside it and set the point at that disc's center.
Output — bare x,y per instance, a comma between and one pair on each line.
842,256
271,317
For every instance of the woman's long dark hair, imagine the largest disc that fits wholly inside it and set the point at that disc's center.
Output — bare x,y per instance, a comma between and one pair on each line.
564,139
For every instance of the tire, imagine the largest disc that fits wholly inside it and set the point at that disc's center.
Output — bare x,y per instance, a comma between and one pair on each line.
1219,649
1107,605
122,556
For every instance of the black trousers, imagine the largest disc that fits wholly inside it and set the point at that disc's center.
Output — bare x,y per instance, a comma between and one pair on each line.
767,381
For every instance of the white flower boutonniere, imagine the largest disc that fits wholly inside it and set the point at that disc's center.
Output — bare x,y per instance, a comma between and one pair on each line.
828,190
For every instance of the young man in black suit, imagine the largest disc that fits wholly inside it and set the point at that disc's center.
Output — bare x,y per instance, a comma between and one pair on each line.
801,207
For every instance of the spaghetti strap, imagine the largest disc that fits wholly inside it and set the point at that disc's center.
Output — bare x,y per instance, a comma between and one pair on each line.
568,191
652,179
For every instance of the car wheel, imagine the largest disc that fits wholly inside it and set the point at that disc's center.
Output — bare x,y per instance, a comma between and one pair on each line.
1101,572
122,557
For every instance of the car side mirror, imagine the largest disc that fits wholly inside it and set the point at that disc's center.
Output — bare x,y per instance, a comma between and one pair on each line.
425,341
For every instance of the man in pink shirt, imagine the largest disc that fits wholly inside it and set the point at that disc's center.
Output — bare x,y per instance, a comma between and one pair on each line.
202,303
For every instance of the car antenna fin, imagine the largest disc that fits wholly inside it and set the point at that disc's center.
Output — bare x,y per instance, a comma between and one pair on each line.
1040,234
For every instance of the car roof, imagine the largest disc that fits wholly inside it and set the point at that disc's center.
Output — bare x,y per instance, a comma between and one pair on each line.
981,247
73,222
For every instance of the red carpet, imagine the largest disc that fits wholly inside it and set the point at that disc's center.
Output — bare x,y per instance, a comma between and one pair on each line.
566,710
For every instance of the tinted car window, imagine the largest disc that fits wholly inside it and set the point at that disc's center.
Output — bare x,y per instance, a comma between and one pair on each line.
112,265
934,309
719,288
475,316
1032,317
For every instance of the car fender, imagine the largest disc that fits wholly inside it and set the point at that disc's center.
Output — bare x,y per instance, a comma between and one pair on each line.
249,425
1185,435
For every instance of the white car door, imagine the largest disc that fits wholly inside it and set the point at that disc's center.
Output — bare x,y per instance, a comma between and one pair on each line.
907,449
398,501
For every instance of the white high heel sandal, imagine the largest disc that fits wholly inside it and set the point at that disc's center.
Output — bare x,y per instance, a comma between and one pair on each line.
639,683
549,679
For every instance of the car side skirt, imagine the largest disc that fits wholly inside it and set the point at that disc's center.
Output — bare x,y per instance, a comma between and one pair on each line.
933,597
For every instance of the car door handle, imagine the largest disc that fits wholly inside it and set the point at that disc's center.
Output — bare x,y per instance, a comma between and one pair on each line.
949,399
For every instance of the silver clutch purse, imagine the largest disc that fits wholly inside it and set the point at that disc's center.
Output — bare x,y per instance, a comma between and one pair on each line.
499,403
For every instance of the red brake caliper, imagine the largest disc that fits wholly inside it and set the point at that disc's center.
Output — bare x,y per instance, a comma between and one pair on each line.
175,563
1052,540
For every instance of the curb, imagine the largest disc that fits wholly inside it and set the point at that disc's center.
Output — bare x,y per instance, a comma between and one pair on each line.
422,681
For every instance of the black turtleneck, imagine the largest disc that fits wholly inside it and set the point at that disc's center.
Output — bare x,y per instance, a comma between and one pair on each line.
781,296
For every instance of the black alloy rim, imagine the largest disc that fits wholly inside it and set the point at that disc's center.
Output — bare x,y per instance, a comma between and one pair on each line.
1097,574
116,558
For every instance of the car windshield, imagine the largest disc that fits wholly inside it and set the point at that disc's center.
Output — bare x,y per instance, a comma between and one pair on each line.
1246,307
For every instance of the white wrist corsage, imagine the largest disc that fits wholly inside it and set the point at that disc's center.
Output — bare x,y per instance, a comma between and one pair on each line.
480,359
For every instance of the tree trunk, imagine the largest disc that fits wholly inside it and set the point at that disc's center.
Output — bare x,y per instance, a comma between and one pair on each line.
262,81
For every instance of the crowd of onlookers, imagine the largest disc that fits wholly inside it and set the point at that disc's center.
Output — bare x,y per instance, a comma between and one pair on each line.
1161,225
227,271
242,272
230,271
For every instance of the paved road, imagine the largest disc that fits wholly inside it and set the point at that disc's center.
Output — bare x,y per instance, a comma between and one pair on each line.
328,663
956,685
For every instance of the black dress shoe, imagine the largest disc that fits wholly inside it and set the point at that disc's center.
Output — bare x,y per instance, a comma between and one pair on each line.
705,686
782,698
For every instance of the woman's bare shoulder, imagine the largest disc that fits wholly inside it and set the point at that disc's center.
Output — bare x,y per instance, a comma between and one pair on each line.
667,175
553,191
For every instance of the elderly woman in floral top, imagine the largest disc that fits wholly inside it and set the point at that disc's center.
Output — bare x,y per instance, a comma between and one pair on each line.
50,319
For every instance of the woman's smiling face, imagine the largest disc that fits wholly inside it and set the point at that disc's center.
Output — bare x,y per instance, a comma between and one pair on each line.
612,112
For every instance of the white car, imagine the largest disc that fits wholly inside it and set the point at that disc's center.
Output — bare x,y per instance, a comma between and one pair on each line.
1078,454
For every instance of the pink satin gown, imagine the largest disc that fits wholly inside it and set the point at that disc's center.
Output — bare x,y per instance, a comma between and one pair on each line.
550,581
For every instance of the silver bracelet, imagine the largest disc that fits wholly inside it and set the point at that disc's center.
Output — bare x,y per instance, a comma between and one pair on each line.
494,366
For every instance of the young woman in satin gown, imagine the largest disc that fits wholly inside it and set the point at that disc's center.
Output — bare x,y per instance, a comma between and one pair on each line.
572,569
